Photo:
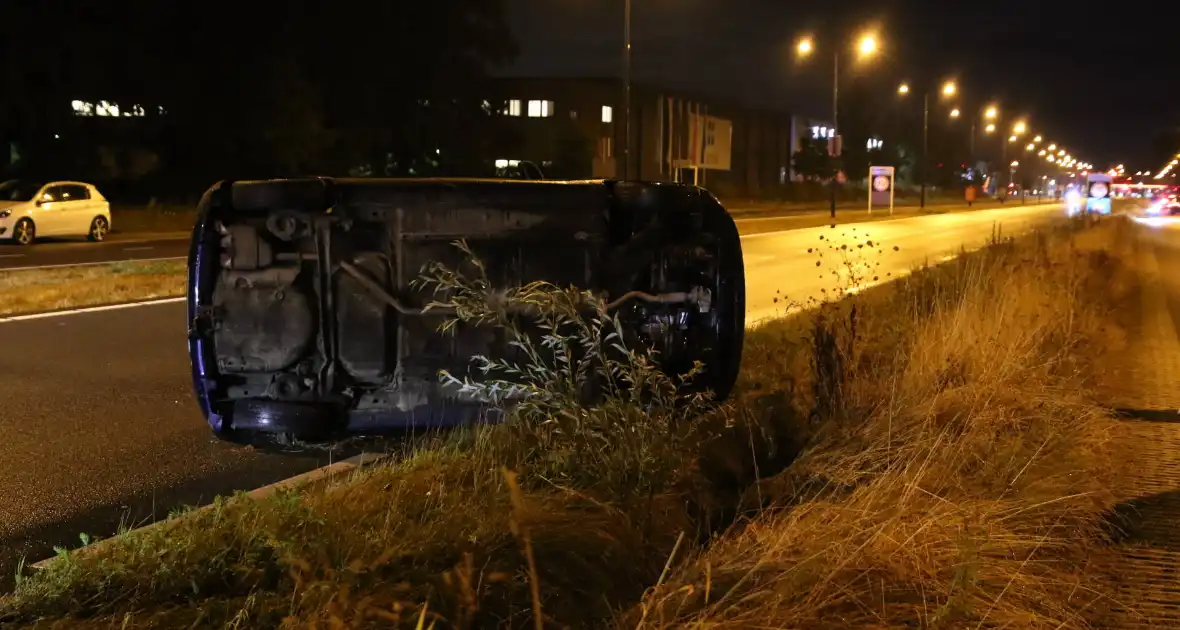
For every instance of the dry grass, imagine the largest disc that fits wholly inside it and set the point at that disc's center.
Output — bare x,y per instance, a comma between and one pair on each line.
38,290
153,218
921,455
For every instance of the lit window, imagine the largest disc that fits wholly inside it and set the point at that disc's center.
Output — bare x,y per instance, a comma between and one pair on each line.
513,108
107,109
540,109
82,108
608,113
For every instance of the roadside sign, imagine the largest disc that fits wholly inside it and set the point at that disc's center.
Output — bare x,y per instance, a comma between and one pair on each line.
881,181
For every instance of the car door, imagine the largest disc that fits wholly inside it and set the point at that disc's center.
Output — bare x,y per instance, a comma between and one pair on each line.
77,210
49,215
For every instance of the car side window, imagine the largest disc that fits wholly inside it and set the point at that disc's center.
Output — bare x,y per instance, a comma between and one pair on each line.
74,193
50,194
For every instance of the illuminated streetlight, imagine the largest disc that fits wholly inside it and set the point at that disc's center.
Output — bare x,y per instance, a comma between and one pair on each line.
949,88
1012,139
955,113
904,88
991,113
1062,152
868,45
805,47
1041,153
1037,139
1019,128
1029,147
990,128
1014,164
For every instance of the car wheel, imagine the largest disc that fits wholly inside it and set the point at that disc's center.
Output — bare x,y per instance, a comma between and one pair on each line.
24,232
99,228
729,327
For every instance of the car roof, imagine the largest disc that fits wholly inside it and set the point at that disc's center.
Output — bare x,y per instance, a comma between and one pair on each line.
66,182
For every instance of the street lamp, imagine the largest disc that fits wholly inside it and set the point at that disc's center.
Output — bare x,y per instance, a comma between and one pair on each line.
1030,146
1020,128
991,114
1037,139
948,89
624,167
904,88
990,128
866,46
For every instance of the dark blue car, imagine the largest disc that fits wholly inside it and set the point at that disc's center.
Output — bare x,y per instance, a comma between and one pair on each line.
305,321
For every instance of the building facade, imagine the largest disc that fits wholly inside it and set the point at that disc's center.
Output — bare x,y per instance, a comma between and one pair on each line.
733,150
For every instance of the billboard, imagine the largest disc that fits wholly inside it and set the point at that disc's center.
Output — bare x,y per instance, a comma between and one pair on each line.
712,141
693,140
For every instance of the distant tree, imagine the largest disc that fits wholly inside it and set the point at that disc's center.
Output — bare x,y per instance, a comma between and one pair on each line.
812,161
317,87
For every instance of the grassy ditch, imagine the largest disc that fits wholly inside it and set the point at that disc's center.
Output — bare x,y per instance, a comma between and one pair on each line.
920,454
39,290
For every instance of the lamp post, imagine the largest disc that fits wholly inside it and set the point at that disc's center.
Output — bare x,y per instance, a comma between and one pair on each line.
626,153
866,47
948,89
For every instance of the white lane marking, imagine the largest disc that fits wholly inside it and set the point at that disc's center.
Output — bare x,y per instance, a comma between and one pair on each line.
137,249
12,255
92,264
89,309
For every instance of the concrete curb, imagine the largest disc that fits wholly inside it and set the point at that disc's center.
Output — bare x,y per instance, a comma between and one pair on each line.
319,474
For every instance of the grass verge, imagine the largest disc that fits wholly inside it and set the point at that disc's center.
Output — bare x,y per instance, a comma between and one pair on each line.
919,454
39,290
153,218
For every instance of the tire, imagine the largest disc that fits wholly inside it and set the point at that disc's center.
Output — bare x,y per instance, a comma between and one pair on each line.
24,232
99,228
730,291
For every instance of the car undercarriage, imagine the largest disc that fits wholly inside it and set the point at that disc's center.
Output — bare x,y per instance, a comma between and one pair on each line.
308,320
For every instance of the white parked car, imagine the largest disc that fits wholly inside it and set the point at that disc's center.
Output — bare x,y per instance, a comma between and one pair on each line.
30,210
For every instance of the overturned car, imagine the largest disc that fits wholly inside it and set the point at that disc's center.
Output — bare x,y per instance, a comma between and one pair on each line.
306,321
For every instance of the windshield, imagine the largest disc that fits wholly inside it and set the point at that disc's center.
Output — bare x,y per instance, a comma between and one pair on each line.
18,190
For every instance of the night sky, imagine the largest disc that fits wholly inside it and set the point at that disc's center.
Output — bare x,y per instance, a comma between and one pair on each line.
1099,81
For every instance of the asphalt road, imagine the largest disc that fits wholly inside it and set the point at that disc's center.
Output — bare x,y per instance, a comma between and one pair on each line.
100,426
73,252
782,270
121,247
